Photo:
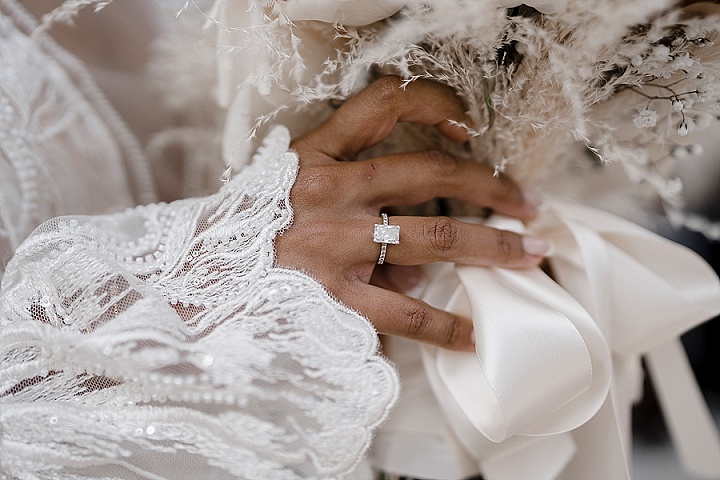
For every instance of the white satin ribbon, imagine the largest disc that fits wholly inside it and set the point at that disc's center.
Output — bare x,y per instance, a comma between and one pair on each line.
557,363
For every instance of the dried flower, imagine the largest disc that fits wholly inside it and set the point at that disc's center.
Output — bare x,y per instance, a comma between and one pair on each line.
661,54
645,118
705,91
535,81
687,101
682,62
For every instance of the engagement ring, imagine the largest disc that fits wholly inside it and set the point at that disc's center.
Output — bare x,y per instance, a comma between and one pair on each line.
385,234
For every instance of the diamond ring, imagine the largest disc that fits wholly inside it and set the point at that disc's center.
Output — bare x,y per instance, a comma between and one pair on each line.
385,234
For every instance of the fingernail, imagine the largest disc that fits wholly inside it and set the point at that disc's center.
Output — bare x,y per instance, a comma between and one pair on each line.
532,202
532,199
535,245
408,281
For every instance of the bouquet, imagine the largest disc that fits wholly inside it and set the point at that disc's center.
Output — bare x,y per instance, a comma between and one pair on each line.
550,87
627,83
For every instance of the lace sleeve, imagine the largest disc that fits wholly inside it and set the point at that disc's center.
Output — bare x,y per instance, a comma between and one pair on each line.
63,148
163,342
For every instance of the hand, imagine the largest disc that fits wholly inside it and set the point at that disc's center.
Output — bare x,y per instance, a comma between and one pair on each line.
337,201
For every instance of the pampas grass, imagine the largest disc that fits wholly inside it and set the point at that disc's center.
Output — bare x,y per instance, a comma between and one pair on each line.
626,79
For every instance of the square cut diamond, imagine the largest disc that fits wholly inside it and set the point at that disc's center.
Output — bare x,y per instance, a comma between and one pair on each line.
387,234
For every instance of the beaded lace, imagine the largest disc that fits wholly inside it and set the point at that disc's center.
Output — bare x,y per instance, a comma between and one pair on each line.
163,342
62,148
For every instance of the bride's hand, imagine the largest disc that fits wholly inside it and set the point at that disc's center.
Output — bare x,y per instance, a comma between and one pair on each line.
337,203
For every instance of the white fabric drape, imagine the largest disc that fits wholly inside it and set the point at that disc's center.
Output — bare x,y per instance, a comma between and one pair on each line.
548,392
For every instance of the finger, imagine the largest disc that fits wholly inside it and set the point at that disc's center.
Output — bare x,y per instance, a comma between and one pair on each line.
415,177
396,314
430,239
397,278
369,117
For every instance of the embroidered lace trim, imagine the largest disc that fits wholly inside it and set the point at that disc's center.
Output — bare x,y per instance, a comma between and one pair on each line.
163,342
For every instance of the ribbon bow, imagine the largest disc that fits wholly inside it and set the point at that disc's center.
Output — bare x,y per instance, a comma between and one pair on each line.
549,391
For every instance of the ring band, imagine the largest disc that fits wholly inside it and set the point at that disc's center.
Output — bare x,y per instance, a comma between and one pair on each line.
385,234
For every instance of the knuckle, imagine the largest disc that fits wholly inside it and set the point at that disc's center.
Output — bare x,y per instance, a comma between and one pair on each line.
507,246
315,182
386,89
416,317
442,234
453,331
443,164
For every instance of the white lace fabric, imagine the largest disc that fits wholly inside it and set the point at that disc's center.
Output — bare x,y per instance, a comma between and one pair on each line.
162,342
62,148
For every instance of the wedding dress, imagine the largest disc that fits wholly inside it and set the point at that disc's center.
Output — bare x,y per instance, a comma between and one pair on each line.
161,341
50,111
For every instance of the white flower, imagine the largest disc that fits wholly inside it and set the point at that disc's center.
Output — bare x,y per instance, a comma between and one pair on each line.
682,129
688,101
677,105
660,54
706,91
645,118
682,62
